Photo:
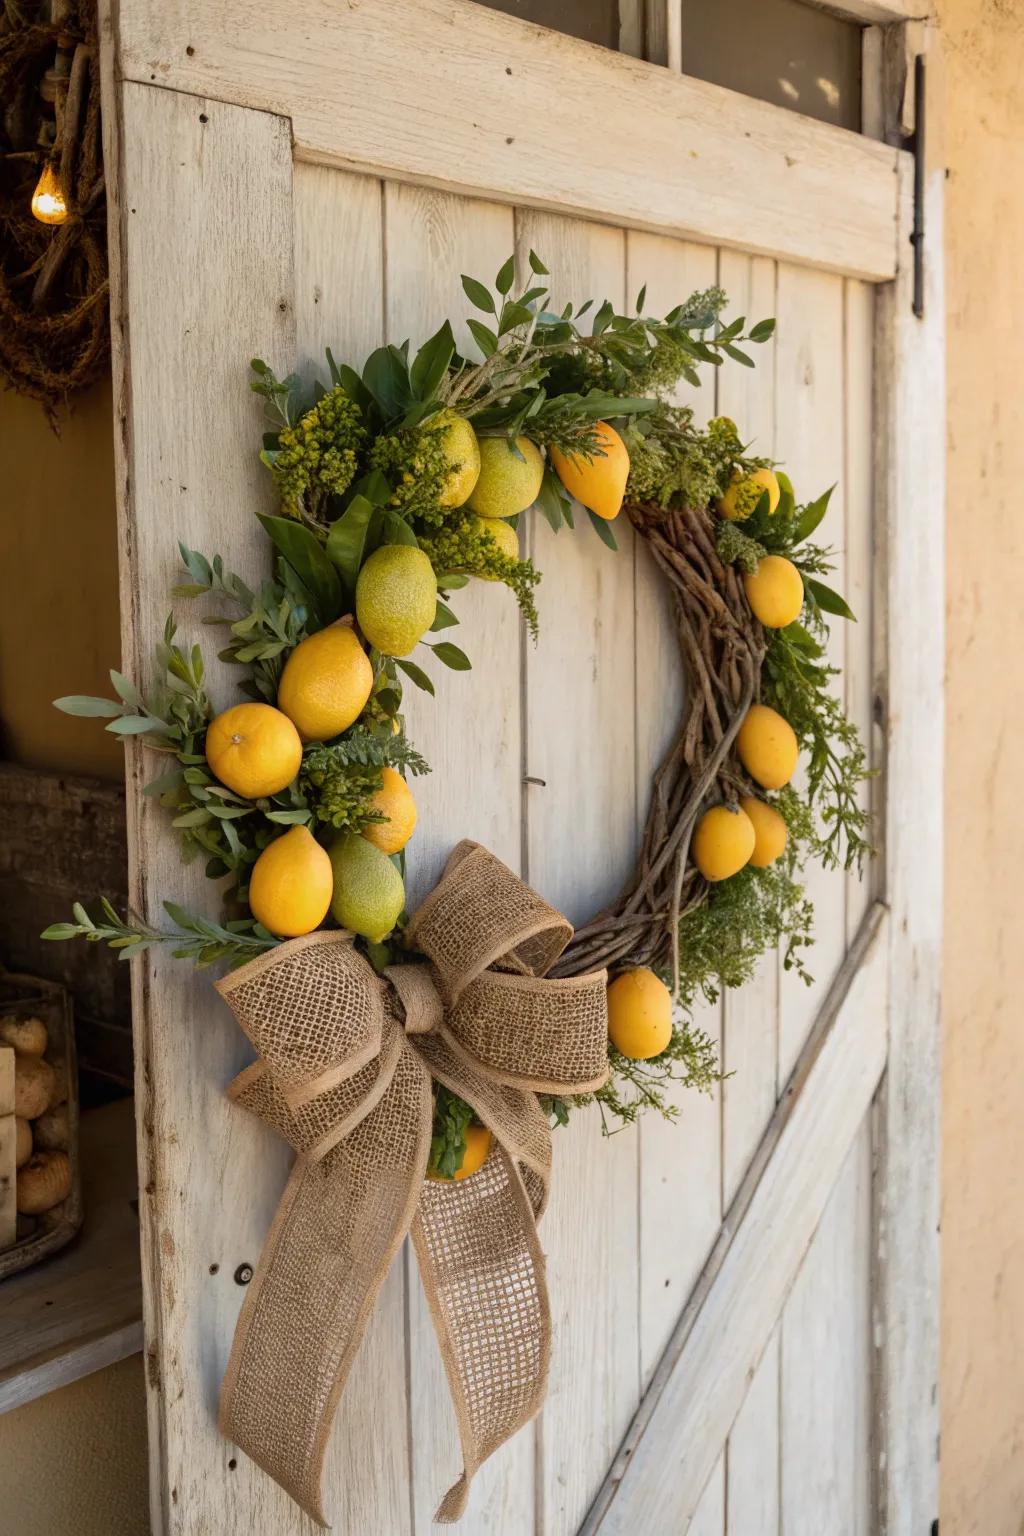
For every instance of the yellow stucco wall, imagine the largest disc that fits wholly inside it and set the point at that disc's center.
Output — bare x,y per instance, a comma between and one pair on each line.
73,1463
983,1074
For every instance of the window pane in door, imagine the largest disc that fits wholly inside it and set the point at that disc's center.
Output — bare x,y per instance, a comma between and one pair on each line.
779,50
596,21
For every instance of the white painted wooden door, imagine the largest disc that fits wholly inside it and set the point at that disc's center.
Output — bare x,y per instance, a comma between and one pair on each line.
747,1295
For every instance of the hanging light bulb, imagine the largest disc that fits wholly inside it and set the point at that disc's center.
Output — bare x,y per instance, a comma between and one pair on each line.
48,204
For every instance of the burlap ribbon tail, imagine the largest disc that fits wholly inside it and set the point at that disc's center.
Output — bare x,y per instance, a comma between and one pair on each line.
344,1068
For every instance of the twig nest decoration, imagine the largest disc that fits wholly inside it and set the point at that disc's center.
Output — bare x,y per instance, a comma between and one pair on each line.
43,1182
35,1085
53,280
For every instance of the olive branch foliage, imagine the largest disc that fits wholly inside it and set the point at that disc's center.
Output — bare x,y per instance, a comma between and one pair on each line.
359,461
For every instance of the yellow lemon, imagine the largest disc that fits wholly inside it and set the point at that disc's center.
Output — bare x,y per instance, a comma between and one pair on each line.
478,1146
723,842
325,683
598,483
509,481
254,749
291,883
368,891
767,746
770,832
745,491
393,800
396,598
775,591
504,535
462,453
639,1014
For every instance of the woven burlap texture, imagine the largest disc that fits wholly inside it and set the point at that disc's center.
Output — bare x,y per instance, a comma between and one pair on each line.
345,1061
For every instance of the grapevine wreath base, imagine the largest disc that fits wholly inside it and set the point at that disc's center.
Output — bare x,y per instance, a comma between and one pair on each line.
722,647
416,1063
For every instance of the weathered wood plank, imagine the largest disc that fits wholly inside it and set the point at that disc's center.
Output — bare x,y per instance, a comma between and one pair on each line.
672,1447
211,222
680,1196
910,484
580,842
825,1398
753,1455
338,249
750,1015
809,441
532,136
859,680
431,239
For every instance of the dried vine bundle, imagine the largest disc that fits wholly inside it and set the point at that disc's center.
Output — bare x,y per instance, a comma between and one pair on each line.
54,334
722,648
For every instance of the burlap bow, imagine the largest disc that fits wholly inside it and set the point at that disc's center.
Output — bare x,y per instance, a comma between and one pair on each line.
344,1070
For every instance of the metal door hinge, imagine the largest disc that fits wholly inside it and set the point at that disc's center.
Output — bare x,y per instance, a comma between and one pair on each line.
915,142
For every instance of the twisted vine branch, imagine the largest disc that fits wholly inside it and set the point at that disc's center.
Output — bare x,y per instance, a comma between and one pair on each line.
722,647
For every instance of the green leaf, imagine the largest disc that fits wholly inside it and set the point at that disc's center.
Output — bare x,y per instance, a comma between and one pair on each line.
386,376
506,276
415,675
138,725
83,704
197,818
451,656
552,499
485,338
536,265
603,529
811,516
477,294
395,530
346,541
290,818
443,618
305,554
165,782
761,331
60,931
826,599
452,581
736,355
431,363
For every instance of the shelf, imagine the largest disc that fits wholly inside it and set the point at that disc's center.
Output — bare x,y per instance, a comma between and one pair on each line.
82,1309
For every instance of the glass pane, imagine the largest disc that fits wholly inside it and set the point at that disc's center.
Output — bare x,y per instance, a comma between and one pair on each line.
596,21
778,50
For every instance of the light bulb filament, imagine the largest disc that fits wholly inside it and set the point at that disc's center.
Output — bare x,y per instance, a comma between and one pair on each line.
48,204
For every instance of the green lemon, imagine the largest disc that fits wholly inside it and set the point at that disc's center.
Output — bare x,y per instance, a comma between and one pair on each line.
368,891
509,482
504,535
462,455
396,598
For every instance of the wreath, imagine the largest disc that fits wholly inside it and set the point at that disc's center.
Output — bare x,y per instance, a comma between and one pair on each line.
397,485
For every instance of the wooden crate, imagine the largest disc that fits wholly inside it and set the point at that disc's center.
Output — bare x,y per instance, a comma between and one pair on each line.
28,997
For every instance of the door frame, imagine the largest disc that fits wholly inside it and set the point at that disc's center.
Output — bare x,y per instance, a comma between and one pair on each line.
849,204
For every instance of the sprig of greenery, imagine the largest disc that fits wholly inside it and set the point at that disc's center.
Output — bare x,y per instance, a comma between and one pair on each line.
171,719
273,620
689,1061
196,938
796,680
452,1118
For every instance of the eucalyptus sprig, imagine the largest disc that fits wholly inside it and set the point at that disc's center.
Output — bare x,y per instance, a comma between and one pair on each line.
171,719
272,621
196,938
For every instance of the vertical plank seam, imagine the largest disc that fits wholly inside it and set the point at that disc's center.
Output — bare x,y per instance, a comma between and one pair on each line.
847,542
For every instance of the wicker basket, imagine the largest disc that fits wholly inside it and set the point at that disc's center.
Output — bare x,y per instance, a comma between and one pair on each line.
28,997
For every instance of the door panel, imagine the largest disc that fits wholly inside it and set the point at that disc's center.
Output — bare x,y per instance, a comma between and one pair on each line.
544,753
